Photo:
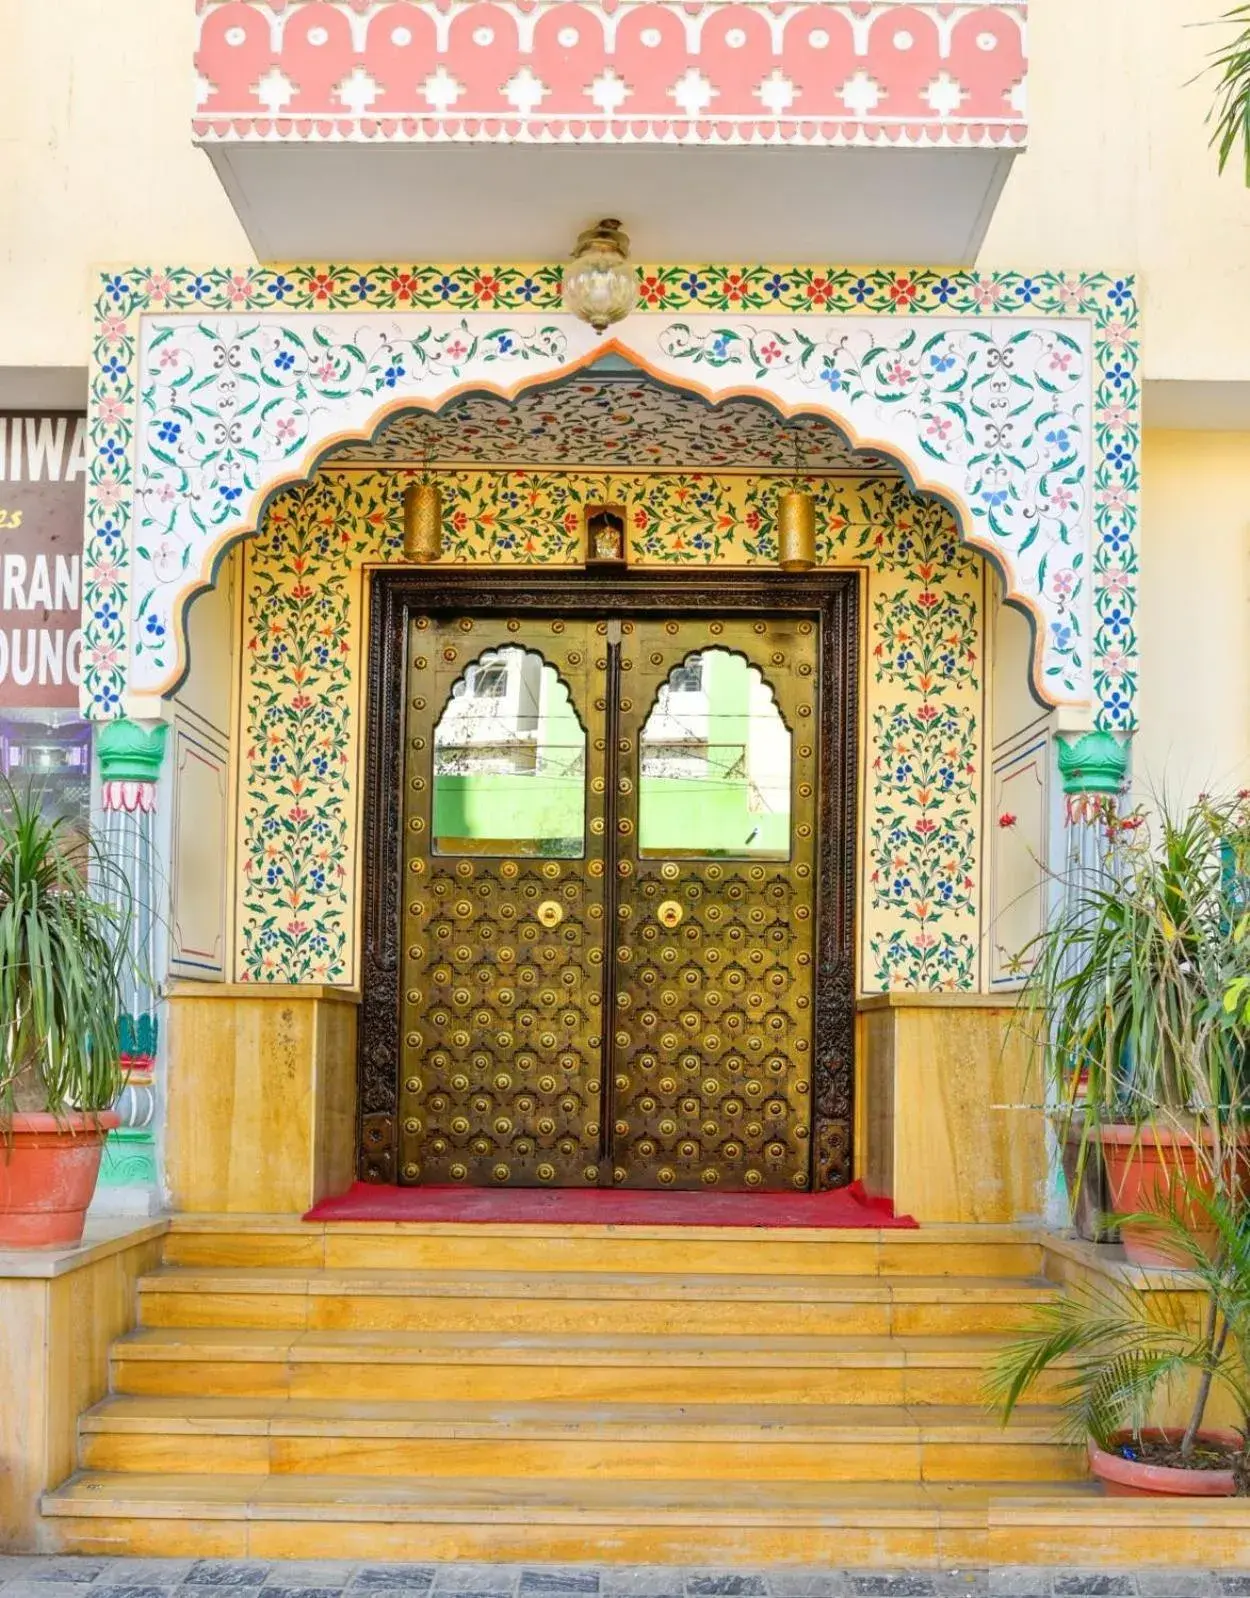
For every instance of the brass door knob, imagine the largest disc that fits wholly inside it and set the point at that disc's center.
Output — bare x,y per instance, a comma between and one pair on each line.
550,913
669,913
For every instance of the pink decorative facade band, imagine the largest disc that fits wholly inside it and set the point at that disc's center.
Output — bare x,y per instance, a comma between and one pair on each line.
841,72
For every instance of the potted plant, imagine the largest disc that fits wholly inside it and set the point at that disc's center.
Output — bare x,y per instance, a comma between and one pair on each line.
63,952
1123,1348
1125,997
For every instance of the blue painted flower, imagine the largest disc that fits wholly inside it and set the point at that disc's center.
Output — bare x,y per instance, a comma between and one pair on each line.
861,290
529,289
1116,536
199,287
281,286
776,286
393,374
115,288
1062,635
1028,290
111,450
284,360
941,363
1118,292
154,626
944,290
694,285
1118,375
720,347
106,614
108,531
106,697
1117,621
1119,457
831,377
113,369
994,497
230,494
1117,706
168,432
360,287
506,344
1060,439
446,287
273,875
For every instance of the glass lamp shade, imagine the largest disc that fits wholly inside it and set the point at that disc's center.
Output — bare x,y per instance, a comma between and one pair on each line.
600,286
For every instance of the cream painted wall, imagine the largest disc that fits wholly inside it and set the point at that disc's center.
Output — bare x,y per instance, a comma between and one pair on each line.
1195,614
96,165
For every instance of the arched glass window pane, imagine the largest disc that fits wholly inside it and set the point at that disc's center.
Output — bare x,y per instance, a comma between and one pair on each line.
510,762
715,764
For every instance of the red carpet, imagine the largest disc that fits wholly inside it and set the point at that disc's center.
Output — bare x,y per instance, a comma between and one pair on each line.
847,1207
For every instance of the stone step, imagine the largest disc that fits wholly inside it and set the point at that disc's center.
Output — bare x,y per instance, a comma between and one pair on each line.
251,1363
586,1302
934,1251
620,1441
851,1523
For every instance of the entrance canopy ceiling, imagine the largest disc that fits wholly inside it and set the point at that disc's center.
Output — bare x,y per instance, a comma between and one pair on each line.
606,420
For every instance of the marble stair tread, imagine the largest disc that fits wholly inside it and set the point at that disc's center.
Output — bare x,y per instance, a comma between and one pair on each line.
505,1499
257,1345
790,1423
608,1284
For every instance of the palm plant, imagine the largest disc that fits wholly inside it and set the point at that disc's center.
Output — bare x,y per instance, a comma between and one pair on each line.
1124,998
1231,113
1122,1350
63,955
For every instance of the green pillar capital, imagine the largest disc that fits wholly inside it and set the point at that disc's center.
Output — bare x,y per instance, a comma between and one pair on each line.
128,752
1092,763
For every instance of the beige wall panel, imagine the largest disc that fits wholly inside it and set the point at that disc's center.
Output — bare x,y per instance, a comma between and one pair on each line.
261,1098
1018,824
201,833
24,1384
208,689
1194,620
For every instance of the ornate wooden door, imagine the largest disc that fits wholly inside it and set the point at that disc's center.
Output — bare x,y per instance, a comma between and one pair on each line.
609,901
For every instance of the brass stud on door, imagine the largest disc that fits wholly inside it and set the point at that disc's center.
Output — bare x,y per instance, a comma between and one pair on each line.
550,913
669,913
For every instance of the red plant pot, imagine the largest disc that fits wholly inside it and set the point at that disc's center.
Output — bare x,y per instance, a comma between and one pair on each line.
1144,1165
48,1170
1132,1478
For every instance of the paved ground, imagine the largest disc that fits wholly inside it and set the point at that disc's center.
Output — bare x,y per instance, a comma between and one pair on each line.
22,1577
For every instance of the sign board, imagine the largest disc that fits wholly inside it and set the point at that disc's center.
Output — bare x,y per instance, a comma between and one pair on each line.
43,475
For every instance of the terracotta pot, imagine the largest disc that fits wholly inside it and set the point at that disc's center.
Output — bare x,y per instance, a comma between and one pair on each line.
1092,1196
1130,1478
1142,1166
48,1170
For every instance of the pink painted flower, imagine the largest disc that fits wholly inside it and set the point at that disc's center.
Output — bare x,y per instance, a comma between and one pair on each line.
108,493
1062,498
1114,498
110,409
170,356
925,940
939,428
986,292
1118,335
1116,582
157,286
457,350
1060,360
770,352
286,428
1113,662
105,574
240,288
1114,415
104,656
327,371
113,329
165,493
1069,292
899,374
1063,582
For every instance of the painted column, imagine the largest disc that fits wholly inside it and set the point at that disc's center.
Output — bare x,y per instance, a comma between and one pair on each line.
130,758
1093,769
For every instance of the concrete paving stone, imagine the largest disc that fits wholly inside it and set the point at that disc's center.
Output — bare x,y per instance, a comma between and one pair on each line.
128,1589
725,1584
643,1581
538,1580
26,1587
227,1573
1232,1584
1176,1584
1093,1584
274,1589
145,1572
1018,1581
476,1578
66,1568
808,1582
305,1574
391,1578
891,1584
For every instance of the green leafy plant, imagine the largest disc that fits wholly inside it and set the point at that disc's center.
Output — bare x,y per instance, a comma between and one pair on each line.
63,957
1231,114
1125,994
1120,1350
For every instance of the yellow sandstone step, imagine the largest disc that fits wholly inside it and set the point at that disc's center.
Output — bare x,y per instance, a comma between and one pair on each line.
636,1522
242,1362
586,1302
619,1441
268,1241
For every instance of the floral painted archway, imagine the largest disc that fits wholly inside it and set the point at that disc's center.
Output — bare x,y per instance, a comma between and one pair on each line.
1014,399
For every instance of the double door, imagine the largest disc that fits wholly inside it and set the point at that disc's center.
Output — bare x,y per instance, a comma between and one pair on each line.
609,901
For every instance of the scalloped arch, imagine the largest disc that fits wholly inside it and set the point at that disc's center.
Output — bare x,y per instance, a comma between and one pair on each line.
991,418
719,649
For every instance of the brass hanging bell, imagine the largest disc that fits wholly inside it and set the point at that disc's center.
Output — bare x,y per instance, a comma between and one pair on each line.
796,530
423,522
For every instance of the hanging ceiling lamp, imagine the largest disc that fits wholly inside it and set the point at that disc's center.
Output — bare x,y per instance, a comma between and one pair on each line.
423,518
796,523
600,286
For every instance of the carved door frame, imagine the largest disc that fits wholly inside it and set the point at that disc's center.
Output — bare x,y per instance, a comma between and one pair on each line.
831,597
